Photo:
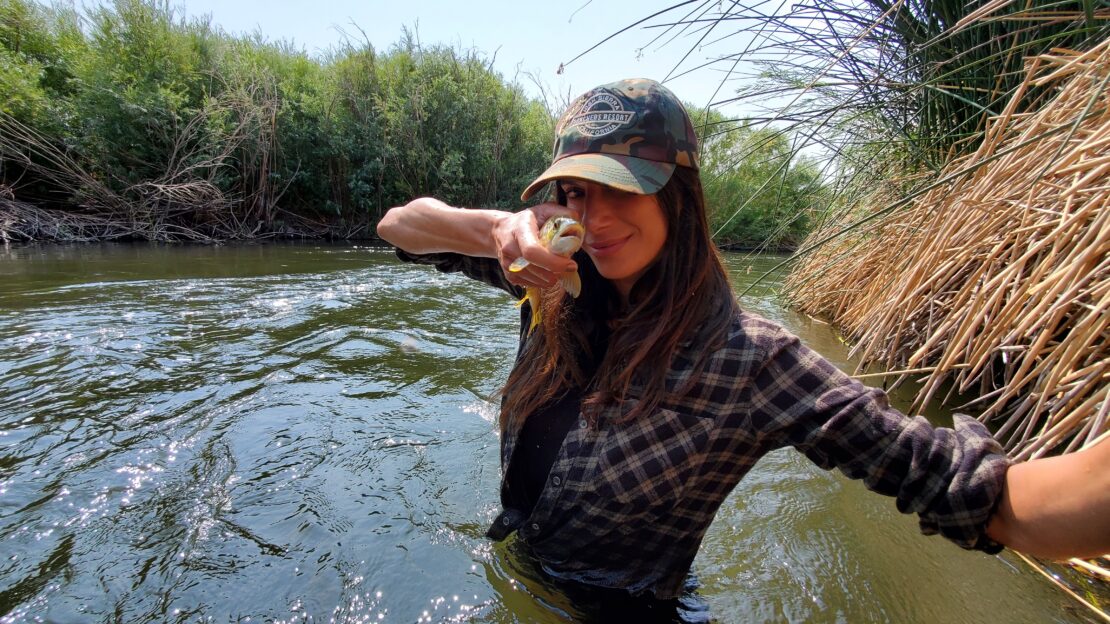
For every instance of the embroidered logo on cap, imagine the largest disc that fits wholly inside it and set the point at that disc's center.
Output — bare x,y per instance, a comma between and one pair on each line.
599,115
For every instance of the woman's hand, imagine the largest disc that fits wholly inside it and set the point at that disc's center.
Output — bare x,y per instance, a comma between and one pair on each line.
427,225
516,235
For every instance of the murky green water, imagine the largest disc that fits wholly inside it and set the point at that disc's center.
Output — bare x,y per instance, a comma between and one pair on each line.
303,433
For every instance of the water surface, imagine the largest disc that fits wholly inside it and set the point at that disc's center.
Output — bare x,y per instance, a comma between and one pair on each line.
296,432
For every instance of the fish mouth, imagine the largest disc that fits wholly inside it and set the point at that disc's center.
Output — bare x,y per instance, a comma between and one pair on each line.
574,229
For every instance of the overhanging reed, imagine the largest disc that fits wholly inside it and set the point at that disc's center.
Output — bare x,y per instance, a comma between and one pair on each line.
996,278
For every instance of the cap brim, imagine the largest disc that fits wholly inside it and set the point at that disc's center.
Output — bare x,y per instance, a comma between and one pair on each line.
626,173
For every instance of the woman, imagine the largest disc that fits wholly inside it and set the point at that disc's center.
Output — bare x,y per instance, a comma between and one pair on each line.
635,409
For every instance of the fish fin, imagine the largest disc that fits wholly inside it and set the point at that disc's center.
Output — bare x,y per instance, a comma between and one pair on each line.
572,283
518,265
535,320
532,296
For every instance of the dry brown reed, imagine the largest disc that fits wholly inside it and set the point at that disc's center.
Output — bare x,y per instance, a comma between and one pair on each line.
22,222
186,203
994,279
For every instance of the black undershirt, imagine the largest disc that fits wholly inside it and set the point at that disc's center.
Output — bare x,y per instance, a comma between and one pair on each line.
538,447
543,432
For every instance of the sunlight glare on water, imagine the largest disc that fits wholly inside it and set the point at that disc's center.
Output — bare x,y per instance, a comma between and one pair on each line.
293,433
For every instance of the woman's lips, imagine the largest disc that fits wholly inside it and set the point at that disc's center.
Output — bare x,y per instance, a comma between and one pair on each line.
606,247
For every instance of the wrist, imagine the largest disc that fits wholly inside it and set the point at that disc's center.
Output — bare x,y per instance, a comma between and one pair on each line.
495,220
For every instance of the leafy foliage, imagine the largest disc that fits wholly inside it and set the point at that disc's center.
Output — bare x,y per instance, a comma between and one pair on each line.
144,101
131,112
759,192
35,46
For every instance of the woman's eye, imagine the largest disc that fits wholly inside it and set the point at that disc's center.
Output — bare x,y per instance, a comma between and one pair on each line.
573,193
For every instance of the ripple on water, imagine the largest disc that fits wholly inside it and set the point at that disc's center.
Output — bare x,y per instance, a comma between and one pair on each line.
201,433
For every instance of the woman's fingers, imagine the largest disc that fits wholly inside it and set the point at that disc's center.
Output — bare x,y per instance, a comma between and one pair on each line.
517,236
532,250
547,210
531,275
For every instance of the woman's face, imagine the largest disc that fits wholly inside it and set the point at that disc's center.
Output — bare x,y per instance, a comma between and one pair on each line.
625,232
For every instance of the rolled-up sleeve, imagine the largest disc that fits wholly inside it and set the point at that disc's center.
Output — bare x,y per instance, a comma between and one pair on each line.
486,270
951,477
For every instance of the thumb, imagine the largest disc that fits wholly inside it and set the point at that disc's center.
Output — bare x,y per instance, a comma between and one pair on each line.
548,210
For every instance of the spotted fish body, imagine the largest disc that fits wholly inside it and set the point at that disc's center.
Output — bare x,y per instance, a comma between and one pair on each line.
561,236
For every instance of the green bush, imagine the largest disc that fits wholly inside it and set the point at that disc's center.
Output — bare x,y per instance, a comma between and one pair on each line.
191,126
759,192
36,45
177,118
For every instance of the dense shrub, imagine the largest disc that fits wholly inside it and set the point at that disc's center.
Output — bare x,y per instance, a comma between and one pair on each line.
142,100
131,112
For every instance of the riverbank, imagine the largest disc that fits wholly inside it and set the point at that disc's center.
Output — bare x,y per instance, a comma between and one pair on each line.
138,123
23,223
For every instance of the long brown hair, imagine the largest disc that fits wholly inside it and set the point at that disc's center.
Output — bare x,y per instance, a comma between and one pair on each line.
683,295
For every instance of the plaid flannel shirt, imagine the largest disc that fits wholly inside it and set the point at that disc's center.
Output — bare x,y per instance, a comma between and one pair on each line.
626,505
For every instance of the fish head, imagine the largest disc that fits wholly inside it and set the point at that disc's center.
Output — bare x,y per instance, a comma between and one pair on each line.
562,235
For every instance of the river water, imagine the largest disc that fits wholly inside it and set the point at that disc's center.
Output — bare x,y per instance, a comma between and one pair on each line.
298,432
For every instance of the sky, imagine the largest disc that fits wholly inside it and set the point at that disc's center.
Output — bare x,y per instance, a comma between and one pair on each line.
522,37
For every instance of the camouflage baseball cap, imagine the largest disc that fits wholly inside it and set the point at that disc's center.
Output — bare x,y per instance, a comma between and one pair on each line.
629,135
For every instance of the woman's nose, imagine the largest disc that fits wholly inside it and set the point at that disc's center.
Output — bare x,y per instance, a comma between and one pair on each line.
594,213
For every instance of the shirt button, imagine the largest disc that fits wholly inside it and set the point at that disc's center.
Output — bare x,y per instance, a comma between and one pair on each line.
505,521
535,527
582,424
556,480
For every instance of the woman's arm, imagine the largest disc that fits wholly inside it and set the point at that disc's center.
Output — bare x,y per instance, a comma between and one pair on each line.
427,225
957,479
1057,507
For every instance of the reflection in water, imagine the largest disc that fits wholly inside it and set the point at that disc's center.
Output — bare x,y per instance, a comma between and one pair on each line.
305,433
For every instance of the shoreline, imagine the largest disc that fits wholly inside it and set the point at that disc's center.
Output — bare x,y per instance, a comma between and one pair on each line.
286,237
26,224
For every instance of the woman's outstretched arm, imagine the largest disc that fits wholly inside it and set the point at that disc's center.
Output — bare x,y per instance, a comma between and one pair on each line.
1057,507
427,225
957,479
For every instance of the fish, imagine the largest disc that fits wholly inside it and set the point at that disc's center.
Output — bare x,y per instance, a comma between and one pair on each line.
561,236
